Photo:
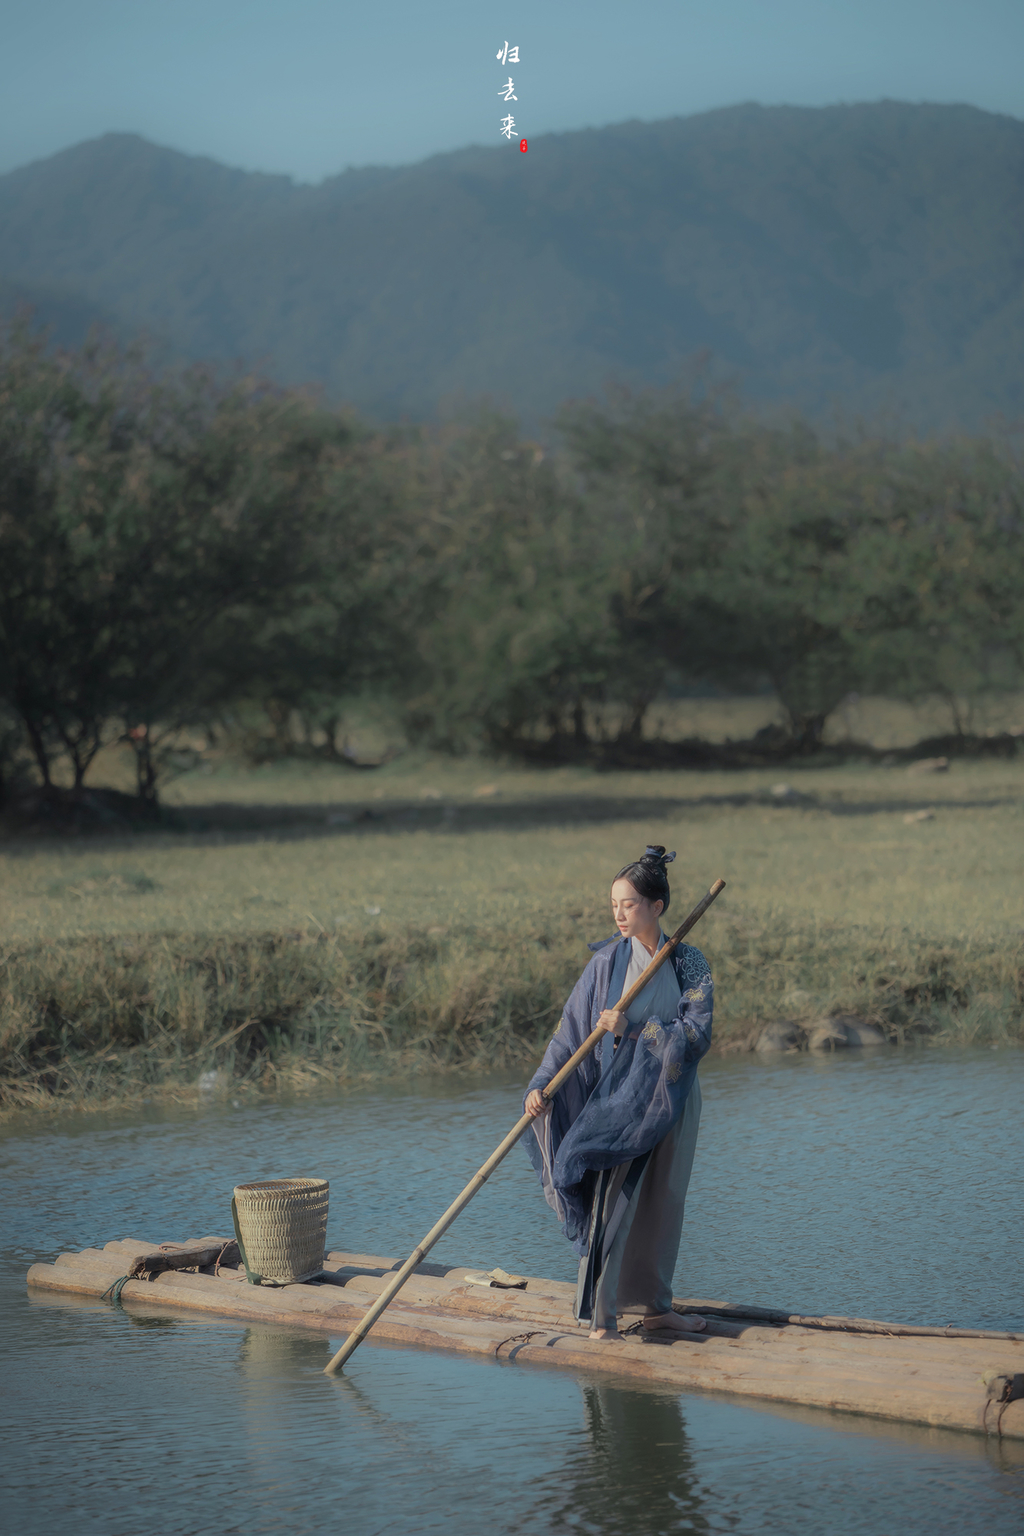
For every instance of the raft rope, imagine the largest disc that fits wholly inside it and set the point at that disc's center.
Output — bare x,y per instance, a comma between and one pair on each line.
114,1291
519,1338
1012,1392
218,1261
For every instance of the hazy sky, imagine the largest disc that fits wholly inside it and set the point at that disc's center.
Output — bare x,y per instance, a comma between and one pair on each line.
310,86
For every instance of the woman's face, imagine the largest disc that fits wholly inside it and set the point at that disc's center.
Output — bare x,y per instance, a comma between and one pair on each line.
634,914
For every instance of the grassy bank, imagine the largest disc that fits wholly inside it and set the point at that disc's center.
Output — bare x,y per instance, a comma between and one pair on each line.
318,925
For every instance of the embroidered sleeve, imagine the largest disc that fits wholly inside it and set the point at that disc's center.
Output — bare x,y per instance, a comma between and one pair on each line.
696,1002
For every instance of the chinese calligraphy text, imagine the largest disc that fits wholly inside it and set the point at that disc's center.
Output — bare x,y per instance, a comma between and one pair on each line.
507,92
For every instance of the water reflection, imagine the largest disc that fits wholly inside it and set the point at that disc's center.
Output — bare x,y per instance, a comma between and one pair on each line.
267,1354
155,1321
371,1421
634,1470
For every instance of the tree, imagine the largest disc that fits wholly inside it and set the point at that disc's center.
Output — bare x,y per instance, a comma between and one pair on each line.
49,554
647,466
946,573
513,606
151,529
344,624
730,541
797,521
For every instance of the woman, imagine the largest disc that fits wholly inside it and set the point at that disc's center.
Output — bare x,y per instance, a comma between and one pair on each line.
614,1148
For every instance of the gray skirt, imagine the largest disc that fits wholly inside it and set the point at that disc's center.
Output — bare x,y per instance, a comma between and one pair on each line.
636,1226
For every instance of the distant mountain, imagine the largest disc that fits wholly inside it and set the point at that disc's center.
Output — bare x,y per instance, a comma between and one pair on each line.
68,315
868,257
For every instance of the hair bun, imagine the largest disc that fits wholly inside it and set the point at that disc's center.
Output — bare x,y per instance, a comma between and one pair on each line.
648,875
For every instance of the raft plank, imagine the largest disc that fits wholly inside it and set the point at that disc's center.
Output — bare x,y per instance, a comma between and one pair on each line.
924,1376
509,1306
844,1324
859,1392
972,1347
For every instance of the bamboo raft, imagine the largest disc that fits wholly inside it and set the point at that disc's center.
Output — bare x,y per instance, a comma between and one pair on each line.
963,1379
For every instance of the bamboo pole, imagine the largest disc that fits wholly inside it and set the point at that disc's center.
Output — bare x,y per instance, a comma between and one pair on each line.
500,1152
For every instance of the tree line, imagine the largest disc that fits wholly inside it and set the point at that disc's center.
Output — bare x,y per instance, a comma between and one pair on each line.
175,545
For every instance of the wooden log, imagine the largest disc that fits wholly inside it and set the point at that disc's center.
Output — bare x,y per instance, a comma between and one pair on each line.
258,1304
97,1255
156,1263
806,1349
374,1265
299,1303
971,1352
206,1291
831,1352
929,1379
973,1347
956,1408
468,1301
840,1324
825,1363
536,1285
134,1259
513,1305
527,1304
86,1280
140,1245
108,1267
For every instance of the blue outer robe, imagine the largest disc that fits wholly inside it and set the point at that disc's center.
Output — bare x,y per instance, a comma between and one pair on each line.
618,1104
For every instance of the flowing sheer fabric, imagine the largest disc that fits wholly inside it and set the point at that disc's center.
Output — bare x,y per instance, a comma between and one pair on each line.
619,1103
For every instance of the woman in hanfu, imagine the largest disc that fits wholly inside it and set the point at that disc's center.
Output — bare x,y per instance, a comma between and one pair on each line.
614,1148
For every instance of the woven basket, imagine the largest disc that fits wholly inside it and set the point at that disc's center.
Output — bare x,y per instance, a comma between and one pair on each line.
282,1224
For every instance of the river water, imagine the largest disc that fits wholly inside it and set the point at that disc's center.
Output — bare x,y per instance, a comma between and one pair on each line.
882,1184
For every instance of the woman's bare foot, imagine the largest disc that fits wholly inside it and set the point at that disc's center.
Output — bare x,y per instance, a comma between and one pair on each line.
677,1322
604,1333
